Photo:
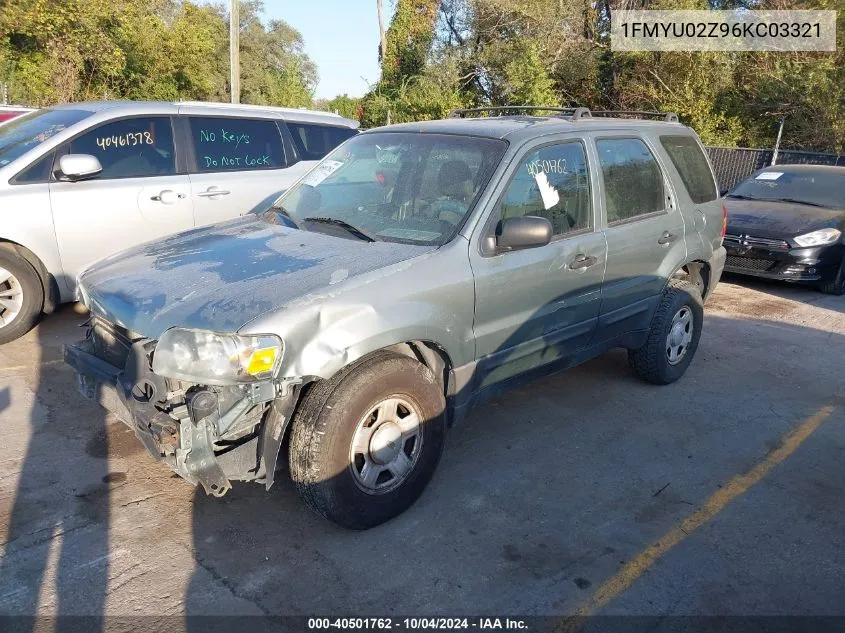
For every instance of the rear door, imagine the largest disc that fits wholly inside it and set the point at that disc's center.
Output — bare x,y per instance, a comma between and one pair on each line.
139,195
237,165
537,306
645,233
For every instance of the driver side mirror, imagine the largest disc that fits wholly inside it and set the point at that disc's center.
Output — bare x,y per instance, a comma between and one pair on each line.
73,167
723,192
527,231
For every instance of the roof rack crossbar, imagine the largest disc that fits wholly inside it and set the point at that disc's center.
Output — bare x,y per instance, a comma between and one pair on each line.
669,117
460,113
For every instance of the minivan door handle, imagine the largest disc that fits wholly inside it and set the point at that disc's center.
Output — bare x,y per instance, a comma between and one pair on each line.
167,196
213,191
582,261
666,238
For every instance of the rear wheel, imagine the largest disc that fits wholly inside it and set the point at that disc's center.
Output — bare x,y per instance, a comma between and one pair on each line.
674,335
365,443
835,286
21,295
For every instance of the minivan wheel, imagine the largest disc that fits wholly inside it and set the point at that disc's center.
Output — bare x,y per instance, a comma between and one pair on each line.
21,295
365,443
673,337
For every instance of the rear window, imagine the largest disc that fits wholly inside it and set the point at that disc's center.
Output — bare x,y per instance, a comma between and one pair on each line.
235,144
692,165
314,141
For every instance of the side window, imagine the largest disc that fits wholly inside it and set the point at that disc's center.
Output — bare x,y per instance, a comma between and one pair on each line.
232,144
130,148
314,141
38,171
554,183
692,165
633,182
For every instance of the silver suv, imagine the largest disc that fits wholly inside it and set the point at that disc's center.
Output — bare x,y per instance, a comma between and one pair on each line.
84,180
417,270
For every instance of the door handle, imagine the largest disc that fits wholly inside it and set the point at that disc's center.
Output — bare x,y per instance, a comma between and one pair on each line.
211,192
167,197
582,261
666,238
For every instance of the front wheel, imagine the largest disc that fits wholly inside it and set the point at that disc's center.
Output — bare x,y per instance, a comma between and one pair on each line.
365,443
674,335
21,295
835,286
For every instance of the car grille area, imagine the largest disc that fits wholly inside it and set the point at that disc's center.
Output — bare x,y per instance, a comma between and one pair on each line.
110,342
749,263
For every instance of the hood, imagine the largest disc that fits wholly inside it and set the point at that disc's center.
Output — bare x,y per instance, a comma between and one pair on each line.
225,275
778,220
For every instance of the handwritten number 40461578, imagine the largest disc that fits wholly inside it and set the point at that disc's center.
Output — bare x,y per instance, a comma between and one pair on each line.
125,140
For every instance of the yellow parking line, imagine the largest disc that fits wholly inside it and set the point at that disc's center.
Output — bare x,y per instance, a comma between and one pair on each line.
632,570
12,370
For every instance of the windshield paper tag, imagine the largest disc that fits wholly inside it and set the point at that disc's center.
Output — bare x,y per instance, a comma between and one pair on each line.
769,175
321,172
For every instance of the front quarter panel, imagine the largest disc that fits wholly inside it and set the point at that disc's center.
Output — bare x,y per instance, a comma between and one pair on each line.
429,298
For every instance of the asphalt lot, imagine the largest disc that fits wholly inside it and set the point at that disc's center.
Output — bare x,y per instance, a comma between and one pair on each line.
585,492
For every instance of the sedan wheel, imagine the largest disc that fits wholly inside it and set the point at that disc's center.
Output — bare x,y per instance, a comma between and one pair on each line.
11,297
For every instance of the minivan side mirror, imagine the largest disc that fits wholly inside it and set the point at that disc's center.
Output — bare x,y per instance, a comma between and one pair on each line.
527,231
75,167
723,192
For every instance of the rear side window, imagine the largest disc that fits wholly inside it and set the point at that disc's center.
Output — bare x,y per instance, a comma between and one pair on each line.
553,183
233,144
692,165
314,141
130,148
633,182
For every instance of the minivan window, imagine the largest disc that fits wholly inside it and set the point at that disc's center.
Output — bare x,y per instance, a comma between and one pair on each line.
235,144
314,141
553,183
378,184
130,148
633,181
692,166
22,134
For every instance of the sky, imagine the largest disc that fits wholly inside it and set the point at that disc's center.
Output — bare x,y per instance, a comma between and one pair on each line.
341,37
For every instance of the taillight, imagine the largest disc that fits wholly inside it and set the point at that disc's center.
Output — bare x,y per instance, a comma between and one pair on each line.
724,220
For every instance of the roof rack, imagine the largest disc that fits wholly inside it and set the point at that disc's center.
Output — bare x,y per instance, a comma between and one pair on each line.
574,114
669,117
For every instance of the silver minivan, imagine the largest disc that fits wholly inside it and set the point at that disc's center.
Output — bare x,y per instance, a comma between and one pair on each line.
81,181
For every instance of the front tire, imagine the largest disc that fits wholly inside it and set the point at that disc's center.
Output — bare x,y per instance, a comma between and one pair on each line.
21,295
365,443
835,286
673,337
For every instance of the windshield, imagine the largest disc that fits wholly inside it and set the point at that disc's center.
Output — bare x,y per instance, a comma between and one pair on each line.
20,135
817,188
399,187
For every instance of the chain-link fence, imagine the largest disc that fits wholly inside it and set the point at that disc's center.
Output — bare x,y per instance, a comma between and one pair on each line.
733,164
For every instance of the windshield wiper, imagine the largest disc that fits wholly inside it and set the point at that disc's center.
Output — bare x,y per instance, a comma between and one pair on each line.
360,233
796,201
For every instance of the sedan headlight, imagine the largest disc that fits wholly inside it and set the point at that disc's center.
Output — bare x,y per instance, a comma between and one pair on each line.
216,359
819,238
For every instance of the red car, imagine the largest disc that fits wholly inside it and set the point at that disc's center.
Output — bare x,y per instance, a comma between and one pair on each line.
10,112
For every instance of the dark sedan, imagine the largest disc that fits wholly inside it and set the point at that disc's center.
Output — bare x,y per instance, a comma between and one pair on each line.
787,222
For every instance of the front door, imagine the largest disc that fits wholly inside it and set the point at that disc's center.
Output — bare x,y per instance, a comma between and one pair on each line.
645,235
537,306
136,198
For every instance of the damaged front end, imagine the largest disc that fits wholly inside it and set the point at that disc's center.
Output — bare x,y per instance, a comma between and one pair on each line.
209,434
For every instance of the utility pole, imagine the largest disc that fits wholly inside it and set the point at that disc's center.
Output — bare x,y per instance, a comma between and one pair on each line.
235,52
777,142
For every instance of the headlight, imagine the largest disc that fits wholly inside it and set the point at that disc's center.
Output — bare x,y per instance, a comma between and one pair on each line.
216,359
819,238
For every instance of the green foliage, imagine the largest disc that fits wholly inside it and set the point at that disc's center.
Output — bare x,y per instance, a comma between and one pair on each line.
66,50
344,105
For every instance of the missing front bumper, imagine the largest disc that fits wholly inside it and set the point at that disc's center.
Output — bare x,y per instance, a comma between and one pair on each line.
207,436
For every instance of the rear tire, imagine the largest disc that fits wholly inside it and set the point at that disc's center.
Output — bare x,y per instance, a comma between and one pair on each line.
365,443
673,337
835,286
21,295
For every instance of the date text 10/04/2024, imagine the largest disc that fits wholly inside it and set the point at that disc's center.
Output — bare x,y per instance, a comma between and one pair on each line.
234,140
